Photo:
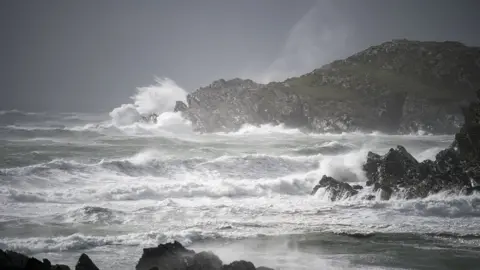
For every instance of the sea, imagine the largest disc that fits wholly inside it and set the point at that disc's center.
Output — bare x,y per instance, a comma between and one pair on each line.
109,185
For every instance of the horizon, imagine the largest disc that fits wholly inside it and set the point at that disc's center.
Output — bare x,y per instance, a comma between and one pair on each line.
91,57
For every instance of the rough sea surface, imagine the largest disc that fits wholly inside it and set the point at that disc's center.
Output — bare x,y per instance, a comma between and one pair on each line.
109,186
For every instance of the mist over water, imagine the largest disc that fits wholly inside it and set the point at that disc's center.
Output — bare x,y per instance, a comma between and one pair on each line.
318,38
109,186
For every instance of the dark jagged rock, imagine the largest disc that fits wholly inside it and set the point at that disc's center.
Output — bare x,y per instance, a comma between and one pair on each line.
399,170
397,167
169,256
151,118
176,257
85,263
336,189
357,187
180,106
239,265
456,168
398,86
10,260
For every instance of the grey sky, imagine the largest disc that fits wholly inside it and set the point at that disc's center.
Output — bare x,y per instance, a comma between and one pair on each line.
90,55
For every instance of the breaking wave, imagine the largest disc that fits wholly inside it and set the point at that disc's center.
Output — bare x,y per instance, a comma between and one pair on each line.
80,241
266,129
75,181
158,99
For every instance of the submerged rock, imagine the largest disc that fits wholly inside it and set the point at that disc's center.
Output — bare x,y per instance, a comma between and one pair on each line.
336,190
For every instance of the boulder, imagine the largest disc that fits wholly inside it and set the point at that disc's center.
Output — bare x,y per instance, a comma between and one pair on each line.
10,260
165,256
85,263
176,257
239,265
169,256
205,260
336,190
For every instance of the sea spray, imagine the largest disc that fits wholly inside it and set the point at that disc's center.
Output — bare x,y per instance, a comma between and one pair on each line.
157,98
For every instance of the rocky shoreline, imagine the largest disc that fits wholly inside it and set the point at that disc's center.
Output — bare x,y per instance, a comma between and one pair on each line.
169,256
400,86
455,169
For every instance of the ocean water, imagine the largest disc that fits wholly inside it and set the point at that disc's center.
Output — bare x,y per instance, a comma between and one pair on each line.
107,185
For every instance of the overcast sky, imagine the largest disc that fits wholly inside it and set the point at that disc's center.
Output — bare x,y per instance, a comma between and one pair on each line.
90,55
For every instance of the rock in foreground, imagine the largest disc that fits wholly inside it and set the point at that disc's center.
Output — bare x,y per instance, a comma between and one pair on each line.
10,260
173,256
169,256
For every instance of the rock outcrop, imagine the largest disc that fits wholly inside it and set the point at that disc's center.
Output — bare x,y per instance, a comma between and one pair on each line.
85,263
455,169
398,86
169,256
335,189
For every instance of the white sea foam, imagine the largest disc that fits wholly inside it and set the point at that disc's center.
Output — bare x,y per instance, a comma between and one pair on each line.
148,183
79,241
158,99
265,129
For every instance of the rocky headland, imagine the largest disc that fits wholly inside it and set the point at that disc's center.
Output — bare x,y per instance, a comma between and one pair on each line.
169,256
400,86
455,169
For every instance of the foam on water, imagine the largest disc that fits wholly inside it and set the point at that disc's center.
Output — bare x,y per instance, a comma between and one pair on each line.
266,129
111,182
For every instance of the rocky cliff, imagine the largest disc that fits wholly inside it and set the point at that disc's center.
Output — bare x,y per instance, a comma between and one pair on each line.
398,86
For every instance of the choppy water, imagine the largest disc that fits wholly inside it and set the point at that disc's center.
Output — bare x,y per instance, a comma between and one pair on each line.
73,183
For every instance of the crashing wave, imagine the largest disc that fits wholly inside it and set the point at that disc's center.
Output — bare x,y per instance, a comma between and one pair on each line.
149,102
